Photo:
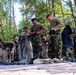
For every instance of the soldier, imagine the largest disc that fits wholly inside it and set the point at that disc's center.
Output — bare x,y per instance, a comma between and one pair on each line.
28,50
3,51
44,47
48,44
67,41
1,47
36,30
74,39
21,46
15,38
6,51
55,36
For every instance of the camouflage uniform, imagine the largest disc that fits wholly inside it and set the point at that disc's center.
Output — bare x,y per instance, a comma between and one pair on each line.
6,51
0,54
55,39
67,41
5,56
74,35
17,50
44,48
0,51
36,38
21,46
3,53
27,47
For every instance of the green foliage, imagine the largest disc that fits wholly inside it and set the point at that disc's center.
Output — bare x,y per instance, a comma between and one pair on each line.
29,9
7,28
42,10
22,24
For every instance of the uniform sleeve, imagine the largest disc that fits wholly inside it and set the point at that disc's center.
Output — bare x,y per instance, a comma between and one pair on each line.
58,21
58,25
31,30
43,29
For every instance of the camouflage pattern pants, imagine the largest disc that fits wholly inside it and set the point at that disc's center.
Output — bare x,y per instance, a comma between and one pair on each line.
36,49
75,47
55,45
29,50
44,51
36,45
0,54
26,52
66,51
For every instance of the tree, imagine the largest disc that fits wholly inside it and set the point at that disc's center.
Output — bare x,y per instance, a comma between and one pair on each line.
69,3
7,19
32,8
1,28
75,2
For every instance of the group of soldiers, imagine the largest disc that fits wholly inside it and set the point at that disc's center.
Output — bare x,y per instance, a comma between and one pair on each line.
32,44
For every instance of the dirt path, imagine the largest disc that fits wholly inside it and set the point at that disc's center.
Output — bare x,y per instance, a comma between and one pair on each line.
39,69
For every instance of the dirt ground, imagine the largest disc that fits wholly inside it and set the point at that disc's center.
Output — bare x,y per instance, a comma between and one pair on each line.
39,69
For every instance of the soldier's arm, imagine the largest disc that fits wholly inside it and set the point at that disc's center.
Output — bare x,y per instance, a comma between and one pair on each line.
43,29
59,25
32,32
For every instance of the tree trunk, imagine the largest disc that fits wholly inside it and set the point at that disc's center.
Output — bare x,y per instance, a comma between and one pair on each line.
10,21
26,14
49,4
2,33
72,10
23,9
53,5
6,20
75,2
15,27
35,6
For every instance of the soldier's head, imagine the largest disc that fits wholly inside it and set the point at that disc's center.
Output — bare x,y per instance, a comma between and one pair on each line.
15,38
49,17
34,21
25,29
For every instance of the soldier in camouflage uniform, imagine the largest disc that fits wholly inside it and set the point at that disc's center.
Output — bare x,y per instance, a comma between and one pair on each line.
28,45
28,50
1,47
21,46
74,37
55,36
67,41
36,30
15,38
